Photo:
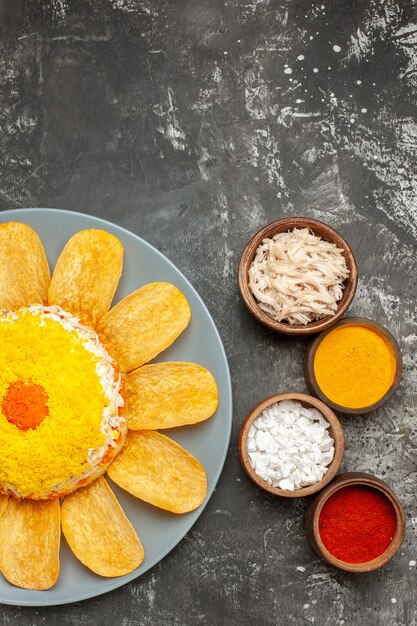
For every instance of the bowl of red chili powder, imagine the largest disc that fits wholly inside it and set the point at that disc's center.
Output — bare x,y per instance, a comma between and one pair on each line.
356,523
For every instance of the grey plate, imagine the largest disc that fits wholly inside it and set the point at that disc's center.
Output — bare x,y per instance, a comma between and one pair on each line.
159,531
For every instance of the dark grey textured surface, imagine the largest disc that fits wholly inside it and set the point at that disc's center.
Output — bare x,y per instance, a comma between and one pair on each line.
183,122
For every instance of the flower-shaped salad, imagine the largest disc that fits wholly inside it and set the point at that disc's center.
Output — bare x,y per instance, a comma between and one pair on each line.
77,401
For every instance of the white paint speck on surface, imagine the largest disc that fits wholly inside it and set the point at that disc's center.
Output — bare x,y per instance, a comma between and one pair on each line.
300,57
315,70
202,164
169,125
359,82
128,6
60,8
364,110
412,564
228,264
217,74
288,70
360,45
394,600
300,568
337,48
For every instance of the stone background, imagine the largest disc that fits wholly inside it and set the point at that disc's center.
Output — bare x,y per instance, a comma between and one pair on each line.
193,123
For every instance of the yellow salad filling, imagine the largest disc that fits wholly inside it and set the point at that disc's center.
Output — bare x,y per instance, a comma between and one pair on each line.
59,403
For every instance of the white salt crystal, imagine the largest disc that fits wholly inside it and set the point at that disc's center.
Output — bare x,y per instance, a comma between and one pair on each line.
327,457
261,440
288,406
286,484
252,458
326,444
307,414
288,469
289,419
271,446
262,472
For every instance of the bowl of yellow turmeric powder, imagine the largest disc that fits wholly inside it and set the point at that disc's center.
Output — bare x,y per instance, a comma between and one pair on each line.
355,366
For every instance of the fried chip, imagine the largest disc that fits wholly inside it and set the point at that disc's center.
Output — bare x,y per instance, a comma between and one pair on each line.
154,468
29,543
166,395
24,271
87,274
98,531
144,324
3,503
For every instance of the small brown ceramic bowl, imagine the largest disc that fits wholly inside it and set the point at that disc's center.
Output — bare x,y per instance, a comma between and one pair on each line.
321,230
335,431
316,506
309,365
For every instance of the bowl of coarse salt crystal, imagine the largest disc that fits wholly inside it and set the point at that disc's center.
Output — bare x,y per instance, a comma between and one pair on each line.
291,444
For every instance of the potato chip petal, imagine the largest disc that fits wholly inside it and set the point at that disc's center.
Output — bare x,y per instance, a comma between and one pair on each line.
98,532
154,468
144,324
166,395
87,274
3,503
24,271
29,543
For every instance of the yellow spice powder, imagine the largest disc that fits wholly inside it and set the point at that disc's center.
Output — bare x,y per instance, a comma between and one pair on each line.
355,366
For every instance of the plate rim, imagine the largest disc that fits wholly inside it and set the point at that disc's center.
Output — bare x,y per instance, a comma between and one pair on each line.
116,583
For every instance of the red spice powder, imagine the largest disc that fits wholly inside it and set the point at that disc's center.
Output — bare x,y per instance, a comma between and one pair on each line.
357,523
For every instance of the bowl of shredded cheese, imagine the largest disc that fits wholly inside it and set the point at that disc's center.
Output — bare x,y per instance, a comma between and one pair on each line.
297,276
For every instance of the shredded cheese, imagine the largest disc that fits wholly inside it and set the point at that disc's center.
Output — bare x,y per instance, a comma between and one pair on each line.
298,277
